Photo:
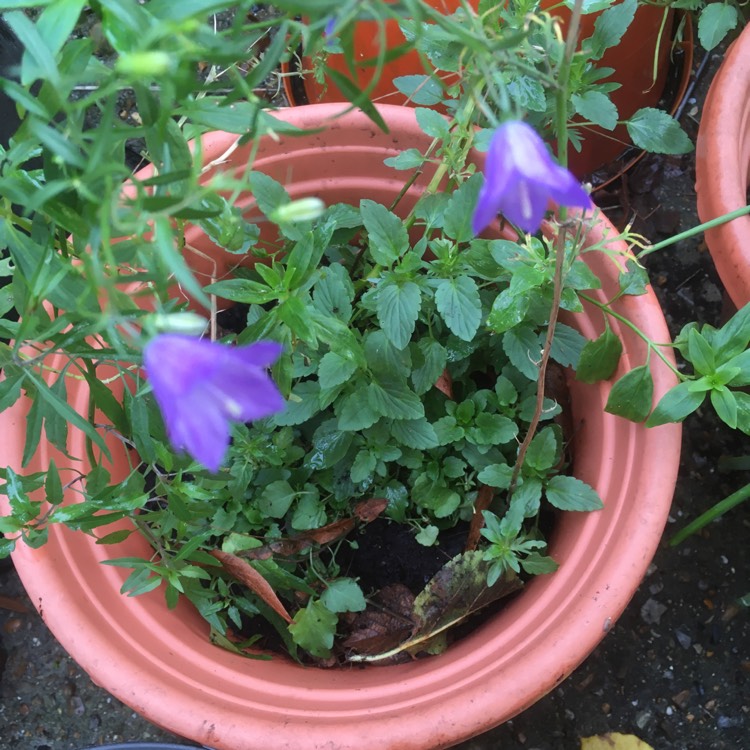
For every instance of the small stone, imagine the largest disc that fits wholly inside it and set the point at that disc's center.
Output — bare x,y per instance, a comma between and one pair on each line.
652,611
642,719
682,698
655,588
683,638
13,625
728,722
606,709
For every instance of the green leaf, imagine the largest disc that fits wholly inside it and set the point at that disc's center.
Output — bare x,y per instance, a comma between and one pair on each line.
535,564
309,513
268,193
459,305
343,595
276,499
596,107
303,404
524,350
508,310
363,467
246,291
676,404
527,92
496,475
354,411
415,433
599,358
457,224
543,450
492,429
700,353
632,394
398,310
567,345
335,370
387,236
314,627
569,493
725,404
610,27
431,367
409,159
432,122
715,22
427,536
391,397
420,89
733,337
657,132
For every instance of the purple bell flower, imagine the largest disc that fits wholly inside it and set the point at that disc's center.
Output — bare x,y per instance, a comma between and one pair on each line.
521,178
201,387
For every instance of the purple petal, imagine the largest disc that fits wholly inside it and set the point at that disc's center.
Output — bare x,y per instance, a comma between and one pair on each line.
202,387
521,178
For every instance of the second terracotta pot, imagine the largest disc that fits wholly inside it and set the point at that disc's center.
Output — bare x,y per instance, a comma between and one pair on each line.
722,168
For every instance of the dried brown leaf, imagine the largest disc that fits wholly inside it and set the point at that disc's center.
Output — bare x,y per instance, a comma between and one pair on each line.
484,498
247,575
369,510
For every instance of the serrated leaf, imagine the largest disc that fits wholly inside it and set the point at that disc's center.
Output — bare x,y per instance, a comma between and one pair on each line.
632,394
363,466
492,429
276,499
599,358
343,595
657,132
459,305
596,107
302,405
309,513
569,493
420,89
715,22
335,370
387,235
391,397
415,433
496,475
398,310
354,411
542,451
634,279
676,404
432,122
524,350
610,27
434,358
409,159
567,345
457,220
314,627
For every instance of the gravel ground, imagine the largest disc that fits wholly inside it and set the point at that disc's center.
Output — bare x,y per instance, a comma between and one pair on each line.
675,670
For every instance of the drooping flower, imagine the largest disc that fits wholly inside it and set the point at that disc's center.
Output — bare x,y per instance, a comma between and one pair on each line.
521,178
202,386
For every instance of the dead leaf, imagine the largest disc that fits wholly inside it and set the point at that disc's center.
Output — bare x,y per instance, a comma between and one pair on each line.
385,623
369,510
614,741
484,498
14,605
445,384
456,591
250,577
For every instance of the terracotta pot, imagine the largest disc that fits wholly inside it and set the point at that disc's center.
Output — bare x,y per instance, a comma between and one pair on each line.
632,59
161,663
722,168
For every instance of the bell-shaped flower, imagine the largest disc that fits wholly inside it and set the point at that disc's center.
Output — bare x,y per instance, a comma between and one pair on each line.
202,387
521,178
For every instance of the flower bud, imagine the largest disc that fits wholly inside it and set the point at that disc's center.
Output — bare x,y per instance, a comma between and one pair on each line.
186,323
304,209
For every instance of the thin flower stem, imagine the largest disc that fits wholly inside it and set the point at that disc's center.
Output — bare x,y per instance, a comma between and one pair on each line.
652,345
539,405
695,230
711,514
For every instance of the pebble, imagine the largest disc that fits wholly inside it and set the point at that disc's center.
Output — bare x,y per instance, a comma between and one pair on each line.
728,722
683,638
642,719
682,698
652,611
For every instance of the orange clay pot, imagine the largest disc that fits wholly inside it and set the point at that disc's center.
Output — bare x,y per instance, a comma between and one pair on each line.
160,661
722,168
632,59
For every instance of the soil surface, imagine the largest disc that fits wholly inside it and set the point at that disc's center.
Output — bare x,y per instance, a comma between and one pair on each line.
675,669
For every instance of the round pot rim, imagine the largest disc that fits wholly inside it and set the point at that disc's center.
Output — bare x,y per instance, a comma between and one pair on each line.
136,649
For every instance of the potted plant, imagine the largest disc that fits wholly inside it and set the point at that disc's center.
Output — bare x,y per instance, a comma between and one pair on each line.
634,67
122,414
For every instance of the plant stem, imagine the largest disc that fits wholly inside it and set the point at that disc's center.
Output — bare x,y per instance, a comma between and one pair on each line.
695,230
539,406
712,514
